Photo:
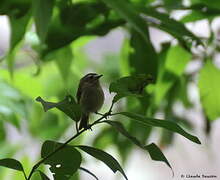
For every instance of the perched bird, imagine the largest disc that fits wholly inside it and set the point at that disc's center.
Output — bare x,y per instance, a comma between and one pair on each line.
90,96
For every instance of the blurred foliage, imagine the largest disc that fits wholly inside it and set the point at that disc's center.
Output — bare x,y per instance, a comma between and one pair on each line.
48,55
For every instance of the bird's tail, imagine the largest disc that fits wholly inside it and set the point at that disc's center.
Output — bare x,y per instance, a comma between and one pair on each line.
84,121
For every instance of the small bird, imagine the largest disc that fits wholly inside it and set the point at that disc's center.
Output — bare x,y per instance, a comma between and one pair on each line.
90,96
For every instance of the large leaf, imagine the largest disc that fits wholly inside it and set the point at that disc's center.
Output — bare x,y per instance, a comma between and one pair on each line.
169,125
142,56
128,12
65,26
42,15
130,86
12,164
64,163
209,88
110,161
68,106
153,150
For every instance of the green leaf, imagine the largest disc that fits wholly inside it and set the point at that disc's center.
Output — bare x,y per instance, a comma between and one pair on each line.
64,58
18,27
65,26
176,60
154,151
89,172
64,163
209,88
156,154
169,125
42,15
110,161
68,106
142,57
171,26
43,176
128,12
12,164
130,86
172,65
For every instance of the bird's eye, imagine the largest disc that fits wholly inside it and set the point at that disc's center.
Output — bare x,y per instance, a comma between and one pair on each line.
90,77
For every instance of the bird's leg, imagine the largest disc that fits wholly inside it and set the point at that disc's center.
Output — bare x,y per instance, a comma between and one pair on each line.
77,128
104,115
99,113
89,126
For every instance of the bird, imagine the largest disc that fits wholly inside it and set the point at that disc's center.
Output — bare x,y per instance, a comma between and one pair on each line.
90,97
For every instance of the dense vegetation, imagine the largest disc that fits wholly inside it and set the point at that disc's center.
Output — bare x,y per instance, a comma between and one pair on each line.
47,58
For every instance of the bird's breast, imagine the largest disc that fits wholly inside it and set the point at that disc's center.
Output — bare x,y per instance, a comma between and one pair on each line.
92,99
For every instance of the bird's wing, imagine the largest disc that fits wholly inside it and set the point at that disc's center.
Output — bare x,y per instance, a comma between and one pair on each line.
79,93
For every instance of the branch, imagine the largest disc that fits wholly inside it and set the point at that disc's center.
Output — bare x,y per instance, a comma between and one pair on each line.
104,116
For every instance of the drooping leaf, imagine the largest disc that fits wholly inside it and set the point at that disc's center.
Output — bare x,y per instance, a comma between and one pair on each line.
209,88
89,172
43,176
110,161
68,106
169,125
42,15
18,28
128,12
156,154
12,164
64,163
64,59
154,151
130,86
119,127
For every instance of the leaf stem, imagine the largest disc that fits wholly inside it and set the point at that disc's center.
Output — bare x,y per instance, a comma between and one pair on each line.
68,141
25,176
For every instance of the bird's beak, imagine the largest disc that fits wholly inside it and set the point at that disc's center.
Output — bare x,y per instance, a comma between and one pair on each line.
98,76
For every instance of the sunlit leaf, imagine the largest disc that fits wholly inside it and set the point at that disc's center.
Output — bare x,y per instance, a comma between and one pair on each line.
68,106
130,86
176,60
110,161
64,163
169,125
209,88
11,163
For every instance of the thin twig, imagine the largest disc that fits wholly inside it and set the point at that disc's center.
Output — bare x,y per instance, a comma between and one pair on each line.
69,140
